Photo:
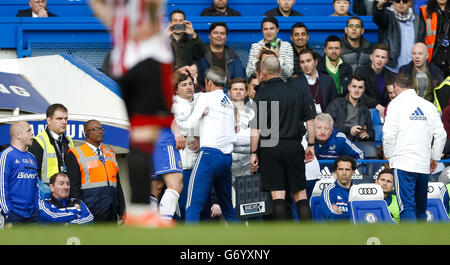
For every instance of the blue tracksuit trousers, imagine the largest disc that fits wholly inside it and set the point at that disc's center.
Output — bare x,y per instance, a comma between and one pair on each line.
412,191
212,167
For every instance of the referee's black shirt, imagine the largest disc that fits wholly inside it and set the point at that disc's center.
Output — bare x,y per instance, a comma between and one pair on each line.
295,107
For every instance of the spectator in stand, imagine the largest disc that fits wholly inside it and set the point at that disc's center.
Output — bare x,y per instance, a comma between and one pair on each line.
252,83
436,15
376,74
330,143
425,76
300,38
446,122
19,190
413,140
398,28
283,49
340,71
220,8
386,180
334,198
341,8
353,118
219,54
59,208
38,8
322,87
193,71
356,49
284,9
187,47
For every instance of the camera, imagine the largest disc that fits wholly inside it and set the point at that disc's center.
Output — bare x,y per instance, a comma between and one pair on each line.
179,27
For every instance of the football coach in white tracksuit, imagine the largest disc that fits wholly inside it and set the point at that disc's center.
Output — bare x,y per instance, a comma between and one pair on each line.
217,138
413,141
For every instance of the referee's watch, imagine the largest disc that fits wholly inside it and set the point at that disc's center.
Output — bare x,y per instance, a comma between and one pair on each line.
254,152
311,144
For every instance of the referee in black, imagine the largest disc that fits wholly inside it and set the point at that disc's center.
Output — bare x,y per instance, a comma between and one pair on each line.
275,140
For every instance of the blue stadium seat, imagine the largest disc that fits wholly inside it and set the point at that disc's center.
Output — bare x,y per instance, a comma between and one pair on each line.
367,204
435,206
377,126
314,202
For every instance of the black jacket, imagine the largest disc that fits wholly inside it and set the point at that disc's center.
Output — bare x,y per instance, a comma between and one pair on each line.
212,12
187,50
356,57
38,152
389,32
320,62
338,110
276,13
435,77
370,94
28,13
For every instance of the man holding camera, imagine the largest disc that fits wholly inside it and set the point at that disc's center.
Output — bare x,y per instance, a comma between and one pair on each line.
282,49
186,45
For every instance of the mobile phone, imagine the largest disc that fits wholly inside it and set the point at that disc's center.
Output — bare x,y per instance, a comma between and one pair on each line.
179,27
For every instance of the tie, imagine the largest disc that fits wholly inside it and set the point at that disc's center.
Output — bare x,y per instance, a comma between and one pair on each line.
100,155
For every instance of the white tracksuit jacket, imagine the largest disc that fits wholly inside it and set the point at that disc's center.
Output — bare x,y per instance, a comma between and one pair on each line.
411,125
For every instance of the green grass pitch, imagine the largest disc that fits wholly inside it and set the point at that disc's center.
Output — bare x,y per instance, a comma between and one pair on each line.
236,234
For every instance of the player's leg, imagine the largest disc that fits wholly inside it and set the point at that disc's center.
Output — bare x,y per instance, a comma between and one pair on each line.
169,201
223,186
421,196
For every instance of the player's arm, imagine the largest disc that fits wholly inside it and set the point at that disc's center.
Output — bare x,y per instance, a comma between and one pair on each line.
193,119
390,131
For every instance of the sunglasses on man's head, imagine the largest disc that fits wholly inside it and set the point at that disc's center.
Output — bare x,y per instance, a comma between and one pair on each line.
404,1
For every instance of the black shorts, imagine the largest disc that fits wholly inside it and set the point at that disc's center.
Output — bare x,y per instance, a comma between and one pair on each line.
282,167
147,92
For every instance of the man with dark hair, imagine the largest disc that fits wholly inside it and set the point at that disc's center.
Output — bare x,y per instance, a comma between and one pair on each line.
352,117
376,74
413,141
340,71
60,208
284,9
219,54
276,147
355,48
300,38
341,8
283,49
220,8
334,198
321,85
186,45
386,180
51,146
94,175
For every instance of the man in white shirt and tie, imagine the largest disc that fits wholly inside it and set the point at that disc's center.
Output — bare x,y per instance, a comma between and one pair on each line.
215,115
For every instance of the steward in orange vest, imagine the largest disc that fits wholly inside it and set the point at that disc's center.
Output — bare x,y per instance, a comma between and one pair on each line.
94,174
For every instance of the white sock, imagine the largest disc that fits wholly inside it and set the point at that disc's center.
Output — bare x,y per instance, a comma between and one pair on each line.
154,203
168,204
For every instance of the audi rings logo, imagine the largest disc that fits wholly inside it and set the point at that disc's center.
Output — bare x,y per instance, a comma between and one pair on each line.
367,191
322,186
430,189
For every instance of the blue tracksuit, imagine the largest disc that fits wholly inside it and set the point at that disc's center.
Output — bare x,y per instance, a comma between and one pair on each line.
19,190
334,194
337,145
70,210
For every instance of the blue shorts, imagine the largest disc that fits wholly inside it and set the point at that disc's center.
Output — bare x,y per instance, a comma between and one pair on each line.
166,159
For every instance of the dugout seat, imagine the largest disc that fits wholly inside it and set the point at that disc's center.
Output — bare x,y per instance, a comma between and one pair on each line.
314,202
367,204
435,206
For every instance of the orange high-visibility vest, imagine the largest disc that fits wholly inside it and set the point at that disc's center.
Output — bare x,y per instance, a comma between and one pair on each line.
431,25
94,173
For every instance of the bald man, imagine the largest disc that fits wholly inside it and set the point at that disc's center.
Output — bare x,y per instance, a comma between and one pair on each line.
19,190
425,76
276,147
